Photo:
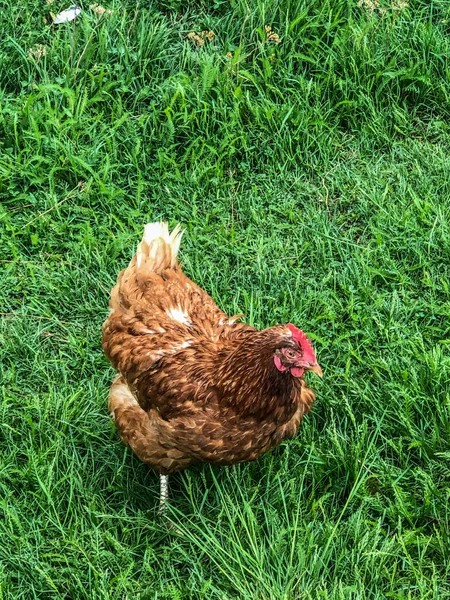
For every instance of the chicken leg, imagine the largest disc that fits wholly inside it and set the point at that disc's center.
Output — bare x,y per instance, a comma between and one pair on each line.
163,493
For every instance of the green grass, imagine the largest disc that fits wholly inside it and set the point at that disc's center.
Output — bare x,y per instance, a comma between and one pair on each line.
313,179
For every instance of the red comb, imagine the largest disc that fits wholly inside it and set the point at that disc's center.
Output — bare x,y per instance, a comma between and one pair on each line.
301,339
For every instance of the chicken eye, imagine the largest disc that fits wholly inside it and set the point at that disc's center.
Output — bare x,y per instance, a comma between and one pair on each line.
290,354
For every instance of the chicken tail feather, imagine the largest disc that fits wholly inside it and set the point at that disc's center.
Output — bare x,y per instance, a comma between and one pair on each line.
158,249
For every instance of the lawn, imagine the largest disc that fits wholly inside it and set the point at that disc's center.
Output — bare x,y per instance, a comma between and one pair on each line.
305,148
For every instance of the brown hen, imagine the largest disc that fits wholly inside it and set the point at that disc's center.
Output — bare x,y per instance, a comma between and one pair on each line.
193,384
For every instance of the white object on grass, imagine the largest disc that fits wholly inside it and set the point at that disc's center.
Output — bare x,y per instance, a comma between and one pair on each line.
67,15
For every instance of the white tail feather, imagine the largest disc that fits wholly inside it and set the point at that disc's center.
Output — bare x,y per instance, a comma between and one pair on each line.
158,249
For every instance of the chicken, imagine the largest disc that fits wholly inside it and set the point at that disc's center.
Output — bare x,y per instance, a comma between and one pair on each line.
193,385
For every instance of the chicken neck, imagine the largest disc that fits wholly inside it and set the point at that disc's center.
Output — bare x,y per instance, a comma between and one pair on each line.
250,382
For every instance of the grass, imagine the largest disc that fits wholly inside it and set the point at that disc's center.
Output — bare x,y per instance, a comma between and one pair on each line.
313,179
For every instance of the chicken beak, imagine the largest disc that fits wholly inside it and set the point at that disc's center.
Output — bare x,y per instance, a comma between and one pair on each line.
317,370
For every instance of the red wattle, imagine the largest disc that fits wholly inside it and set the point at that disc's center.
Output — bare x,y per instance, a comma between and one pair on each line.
297,371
